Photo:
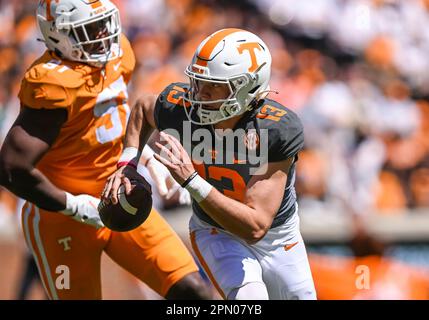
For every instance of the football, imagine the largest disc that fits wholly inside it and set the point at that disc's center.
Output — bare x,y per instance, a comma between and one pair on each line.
130,211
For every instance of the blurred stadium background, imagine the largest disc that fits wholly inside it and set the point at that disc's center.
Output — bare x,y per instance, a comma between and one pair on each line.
356,71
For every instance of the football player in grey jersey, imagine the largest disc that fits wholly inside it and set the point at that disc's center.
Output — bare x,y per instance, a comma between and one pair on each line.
235,151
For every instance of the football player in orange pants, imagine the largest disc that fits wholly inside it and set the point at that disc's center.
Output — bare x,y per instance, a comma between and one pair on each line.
65,142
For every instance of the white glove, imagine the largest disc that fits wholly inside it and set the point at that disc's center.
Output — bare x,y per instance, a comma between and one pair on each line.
83,208
165,183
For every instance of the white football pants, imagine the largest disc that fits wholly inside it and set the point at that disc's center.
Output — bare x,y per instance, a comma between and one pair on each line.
276,267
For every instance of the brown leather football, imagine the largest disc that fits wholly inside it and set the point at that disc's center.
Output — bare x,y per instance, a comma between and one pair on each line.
130,211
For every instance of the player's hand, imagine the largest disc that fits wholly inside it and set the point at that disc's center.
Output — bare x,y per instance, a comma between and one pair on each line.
123,175
167,187
83,208
175,158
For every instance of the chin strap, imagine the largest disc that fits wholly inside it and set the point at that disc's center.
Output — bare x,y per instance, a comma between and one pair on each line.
261,95
267,92
259,68
264,94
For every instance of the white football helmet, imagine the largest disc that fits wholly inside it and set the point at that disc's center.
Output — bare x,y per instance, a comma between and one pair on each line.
86,31
234,57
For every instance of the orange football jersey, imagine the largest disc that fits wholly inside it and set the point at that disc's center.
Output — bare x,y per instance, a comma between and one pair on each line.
90,142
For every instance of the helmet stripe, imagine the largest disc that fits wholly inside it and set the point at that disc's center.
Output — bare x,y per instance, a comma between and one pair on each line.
49,16
96,4
206,51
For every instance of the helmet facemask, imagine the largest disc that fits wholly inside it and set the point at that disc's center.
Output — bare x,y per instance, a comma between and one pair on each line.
233,105
81,30
97,41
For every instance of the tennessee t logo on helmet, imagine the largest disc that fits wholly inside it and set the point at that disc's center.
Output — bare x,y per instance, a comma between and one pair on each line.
250,47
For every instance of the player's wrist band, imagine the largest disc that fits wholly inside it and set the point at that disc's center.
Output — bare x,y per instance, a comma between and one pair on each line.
71,205
192,176
126,163
198,188
129,157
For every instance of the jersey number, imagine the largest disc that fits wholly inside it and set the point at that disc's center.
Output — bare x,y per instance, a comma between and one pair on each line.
109,124
175,96
219,173
271,113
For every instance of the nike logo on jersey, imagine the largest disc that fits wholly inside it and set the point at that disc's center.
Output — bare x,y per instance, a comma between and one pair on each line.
290,246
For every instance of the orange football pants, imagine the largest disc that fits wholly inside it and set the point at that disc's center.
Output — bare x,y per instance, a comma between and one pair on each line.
68,253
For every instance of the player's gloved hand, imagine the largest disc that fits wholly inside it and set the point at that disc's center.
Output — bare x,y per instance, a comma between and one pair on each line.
83,208
167,187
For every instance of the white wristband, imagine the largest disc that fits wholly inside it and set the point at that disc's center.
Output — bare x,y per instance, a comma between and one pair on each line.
130,154
71,205
199,188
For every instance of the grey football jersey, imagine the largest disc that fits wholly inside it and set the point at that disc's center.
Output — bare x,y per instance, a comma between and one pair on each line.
269,126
